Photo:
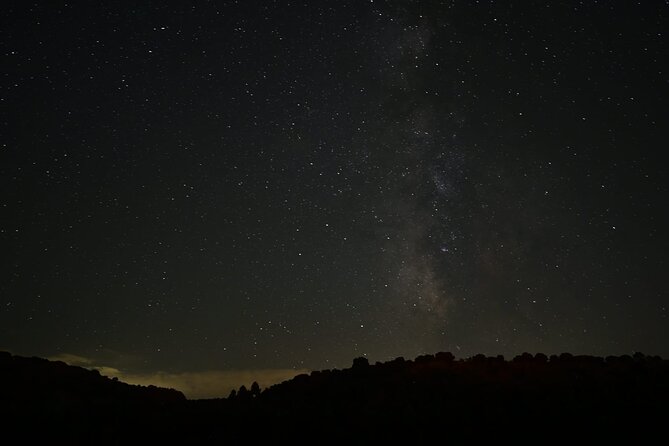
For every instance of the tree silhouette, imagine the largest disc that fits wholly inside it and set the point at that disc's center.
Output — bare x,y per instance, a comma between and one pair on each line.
243,393
255,389
361,362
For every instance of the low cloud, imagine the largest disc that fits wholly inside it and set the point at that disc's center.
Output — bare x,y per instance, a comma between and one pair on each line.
70,359
210,383
195,385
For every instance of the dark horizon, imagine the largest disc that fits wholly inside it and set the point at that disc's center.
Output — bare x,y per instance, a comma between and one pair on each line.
47,375
433,396
228,190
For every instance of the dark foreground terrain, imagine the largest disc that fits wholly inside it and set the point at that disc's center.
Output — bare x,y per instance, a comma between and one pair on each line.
531,399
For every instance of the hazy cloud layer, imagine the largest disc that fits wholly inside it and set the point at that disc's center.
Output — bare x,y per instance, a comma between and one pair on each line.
198,384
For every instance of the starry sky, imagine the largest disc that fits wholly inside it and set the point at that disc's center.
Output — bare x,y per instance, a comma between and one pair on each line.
278,185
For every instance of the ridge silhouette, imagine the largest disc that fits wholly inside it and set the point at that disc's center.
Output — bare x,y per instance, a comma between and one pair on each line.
526,399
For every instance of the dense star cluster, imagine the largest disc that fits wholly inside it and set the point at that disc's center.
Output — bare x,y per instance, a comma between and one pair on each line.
277,185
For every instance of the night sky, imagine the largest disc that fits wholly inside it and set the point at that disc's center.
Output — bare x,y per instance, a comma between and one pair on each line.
191,187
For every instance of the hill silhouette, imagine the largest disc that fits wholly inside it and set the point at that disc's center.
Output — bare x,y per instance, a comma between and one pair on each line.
43,399
530,398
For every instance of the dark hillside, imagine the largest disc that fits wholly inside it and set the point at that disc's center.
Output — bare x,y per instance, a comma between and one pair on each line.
50,399
529,397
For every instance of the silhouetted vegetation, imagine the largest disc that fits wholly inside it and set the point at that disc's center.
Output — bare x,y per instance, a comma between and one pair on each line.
527,399
44,399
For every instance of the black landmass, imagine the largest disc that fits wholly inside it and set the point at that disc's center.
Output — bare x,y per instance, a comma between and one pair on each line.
530,399
44,400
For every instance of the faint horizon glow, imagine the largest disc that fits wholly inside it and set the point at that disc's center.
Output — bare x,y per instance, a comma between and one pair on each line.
194,384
